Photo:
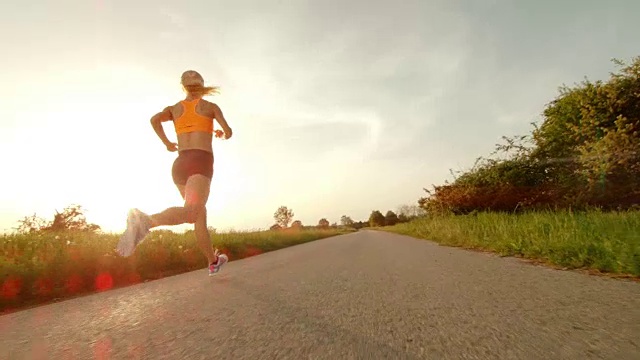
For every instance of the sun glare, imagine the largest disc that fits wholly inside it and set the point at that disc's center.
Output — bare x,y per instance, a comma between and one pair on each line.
118,163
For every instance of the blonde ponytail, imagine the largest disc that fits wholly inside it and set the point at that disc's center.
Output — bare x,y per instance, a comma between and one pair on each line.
199,90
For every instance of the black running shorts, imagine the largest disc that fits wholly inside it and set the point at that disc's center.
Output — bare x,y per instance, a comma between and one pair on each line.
192,162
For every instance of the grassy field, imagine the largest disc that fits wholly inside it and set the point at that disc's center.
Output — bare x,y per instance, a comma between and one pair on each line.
599,241
39,268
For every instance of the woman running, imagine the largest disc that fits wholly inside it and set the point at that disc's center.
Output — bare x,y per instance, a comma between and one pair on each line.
192,170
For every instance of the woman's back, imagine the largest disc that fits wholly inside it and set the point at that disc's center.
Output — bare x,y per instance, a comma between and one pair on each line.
193,122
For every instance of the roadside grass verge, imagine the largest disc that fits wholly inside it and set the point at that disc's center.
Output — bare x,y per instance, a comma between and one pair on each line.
39,268
606,242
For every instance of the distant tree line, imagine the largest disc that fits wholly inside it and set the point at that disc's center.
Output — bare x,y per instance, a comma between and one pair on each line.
405,213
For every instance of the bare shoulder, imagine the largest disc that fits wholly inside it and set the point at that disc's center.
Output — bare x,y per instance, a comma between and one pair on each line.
174,109
175,106
212,109
209,104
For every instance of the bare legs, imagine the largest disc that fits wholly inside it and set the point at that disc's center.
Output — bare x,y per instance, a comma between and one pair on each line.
195,194
203,238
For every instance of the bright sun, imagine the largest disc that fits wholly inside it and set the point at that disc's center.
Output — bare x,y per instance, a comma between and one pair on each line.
151,192
102,154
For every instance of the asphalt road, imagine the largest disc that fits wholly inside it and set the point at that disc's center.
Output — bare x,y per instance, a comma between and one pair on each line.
366,295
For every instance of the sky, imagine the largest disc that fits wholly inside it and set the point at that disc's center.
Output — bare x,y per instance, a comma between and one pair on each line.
337,107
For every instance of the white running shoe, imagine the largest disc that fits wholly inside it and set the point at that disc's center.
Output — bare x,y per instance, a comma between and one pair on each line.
137,229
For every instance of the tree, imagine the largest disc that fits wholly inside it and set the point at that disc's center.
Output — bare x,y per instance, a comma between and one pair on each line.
346,220
275,227
30,224
323,223
390,218
584,154
376,218
409,212
297,224
71,218
283,216
360,224
402,218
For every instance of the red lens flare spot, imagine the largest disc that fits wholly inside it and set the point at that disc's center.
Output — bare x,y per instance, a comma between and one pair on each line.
102,349
104,282
11,287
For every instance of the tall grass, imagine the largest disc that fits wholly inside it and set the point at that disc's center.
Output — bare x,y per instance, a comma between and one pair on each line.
593,240
36,268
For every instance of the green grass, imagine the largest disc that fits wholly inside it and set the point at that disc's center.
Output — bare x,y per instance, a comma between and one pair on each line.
603,241
37,268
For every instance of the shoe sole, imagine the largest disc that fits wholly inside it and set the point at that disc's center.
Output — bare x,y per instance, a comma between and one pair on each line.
138,236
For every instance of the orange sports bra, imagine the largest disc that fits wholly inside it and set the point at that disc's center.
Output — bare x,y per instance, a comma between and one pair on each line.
191,121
